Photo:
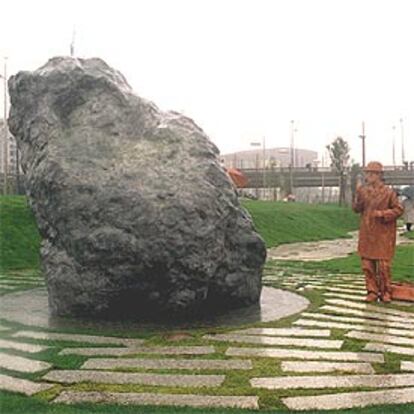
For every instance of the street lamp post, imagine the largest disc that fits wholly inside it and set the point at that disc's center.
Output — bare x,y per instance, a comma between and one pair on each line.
264,166
362,136
292,153
402,141
393,146
256,144
292,143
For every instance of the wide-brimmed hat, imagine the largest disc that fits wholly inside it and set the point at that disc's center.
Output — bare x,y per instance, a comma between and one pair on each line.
374,166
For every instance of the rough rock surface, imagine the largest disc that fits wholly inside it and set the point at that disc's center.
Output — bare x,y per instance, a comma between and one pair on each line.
135,213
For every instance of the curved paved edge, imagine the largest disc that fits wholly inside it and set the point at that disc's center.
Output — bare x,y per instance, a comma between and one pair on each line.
30,308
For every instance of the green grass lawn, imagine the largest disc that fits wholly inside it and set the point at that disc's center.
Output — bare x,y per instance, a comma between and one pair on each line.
409,235
19,238
279,222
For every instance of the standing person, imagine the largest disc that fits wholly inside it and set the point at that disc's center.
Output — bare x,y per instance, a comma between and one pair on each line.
408,216
379,208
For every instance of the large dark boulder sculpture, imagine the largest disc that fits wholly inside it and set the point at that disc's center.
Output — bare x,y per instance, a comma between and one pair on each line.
135,213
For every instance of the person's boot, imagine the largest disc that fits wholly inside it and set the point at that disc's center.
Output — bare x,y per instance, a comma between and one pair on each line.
386,297
369,269
371,297
385,280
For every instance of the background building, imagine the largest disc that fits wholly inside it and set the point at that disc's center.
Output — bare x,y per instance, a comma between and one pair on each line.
276,157
12,156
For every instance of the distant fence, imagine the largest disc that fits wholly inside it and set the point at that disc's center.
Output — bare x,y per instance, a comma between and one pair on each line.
15,184
302,177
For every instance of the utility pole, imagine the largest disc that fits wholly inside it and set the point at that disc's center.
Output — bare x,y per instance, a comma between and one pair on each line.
363,143
292,143
72,45
257,144
323,187
264,167
257,175
393,146
292,153
6,132
402,141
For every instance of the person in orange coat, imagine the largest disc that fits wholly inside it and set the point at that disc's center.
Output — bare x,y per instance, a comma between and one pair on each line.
379,208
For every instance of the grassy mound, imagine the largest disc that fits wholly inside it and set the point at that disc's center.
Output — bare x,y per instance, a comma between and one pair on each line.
277,223
295,222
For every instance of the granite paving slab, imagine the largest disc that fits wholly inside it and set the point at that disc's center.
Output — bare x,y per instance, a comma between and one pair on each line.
283,353
395,328
409,316
284,332
320,366
343,283
345,326
284,284
144,363
353,286
272,340
375,346
17,363
368,315
350,399
79,338
162,350
20,346
100,377
190,400
392,339
312,286
22,386
407,366
328,288
351,276
350,290
326,324
333,381
343,296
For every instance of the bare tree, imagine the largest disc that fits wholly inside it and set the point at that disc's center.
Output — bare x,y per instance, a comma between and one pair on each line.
339,154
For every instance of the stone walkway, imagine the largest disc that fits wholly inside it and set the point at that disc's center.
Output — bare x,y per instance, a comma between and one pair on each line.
321,250
342,354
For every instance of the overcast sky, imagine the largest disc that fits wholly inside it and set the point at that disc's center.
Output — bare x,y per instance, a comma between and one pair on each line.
243,69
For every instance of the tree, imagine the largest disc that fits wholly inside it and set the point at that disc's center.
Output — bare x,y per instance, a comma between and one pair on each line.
339,154
356,172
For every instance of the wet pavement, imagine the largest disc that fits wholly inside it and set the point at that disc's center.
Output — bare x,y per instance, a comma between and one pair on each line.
30,308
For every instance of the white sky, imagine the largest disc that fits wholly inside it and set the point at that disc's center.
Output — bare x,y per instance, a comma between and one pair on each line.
243,69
